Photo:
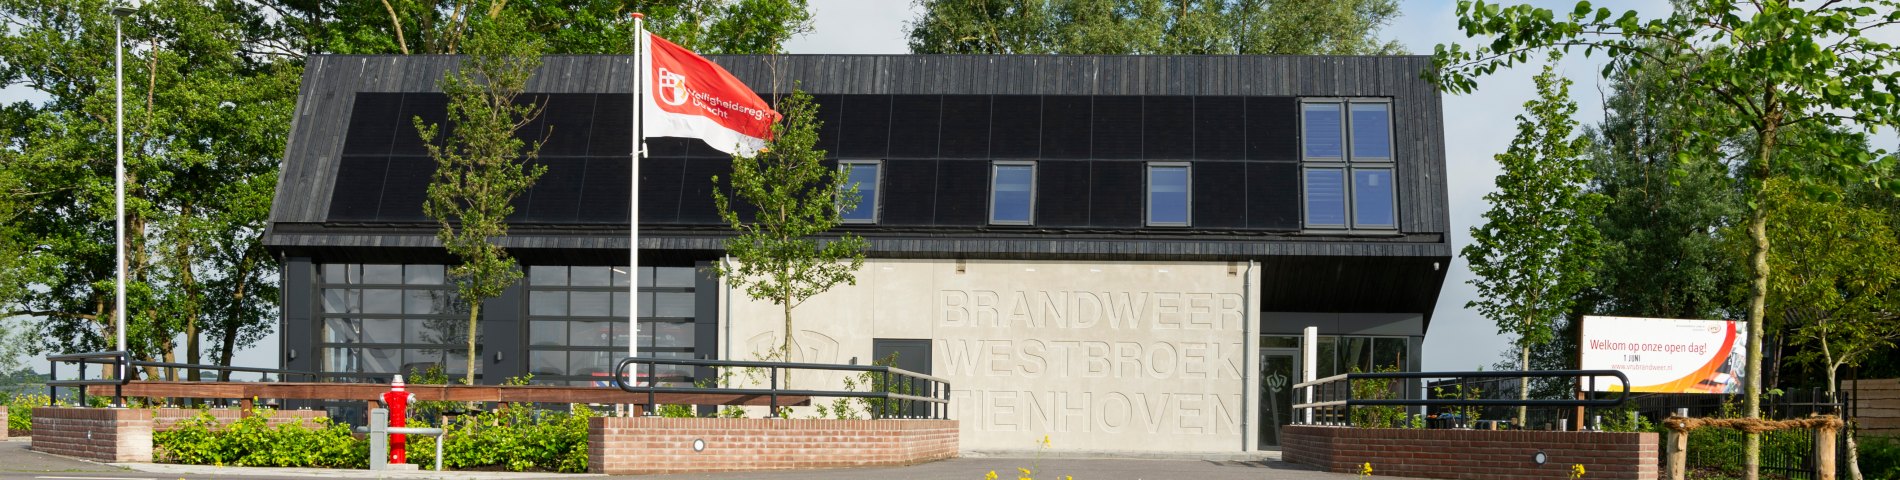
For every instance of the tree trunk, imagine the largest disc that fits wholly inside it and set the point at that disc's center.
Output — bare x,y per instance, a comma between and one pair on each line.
171,373
474,314
226,349
192,353
1524,389
232,322
785,349
1757,301
1853,452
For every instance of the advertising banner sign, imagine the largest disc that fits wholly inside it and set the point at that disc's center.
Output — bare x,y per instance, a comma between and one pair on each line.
1664,355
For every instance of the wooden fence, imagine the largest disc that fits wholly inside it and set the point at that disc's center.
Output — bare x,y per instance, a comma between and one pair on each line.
1878,409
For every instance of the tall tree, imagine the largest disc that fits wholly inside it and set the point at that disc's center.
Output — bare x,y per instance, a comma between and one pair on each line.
1174,27
1836,293
481,165
568,26
1537,248
1662,254
1769,65
796,200
204,127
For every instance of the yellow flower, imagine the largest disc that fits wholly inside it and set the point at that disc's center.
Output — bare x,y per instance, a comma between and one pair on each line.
1576,471
1045,440
990,476
1366,469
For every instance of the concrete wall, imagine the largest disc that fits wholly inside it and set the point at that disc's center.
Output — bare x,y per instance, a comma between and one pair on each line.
1472,454
99,434
644,445
1099,356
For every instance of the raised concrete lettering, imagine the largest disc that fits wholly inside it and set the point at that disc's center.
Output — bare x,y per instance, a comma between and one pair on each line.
1097,355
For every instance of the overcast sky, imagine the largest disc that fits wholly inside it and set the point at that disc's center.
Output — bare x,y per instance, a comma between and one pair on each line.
1478,126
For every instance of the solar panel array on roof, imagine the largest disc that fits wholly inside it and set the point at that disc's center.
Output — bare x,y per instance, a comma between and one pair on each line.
937,151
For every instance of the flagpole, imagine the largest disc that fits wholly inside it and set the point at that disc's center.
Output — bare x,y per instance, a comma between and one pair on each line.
633,192
118,287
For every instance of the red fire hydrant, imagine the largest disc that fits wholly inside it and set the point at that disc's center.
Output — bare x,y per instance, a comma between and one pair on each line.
397,400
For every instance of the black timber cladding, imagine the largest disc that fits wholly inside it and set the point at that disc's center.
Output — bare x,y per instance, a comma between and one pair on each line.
1114,136
329,95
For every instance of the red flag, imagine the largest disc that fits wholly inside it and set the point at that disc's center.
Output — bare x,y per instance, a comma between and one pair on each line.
689,96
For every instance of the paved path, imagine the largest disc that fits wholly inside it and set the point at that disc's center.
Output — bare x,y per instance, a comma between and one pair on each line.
18,462
16,459
1048,468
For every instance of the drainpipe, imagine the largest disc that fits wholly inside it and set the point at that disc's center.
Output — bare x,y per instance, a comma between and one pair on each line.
727,313
1252,359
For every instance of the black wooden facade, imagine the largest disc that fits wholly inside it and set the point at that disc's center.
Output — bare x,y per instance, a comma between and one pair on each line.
354,174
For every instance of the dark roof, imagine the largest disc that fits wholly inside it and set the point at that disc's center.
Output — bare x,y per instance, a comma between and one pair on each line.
330,83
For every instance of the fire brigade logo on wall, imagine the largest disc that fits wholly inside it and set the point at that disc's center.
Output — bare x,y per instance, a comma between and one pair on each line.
672,87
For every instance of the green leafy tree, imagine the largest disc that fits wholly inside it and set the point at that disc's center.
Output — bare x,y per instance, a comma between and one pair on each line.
205,124
481,165
1172,27
1839,263
1662,256
1537,248
567,26
1767,64
796,199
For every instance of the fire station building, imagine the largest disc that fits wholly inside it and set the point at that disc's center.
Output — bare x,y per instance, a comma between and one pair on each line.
1115,251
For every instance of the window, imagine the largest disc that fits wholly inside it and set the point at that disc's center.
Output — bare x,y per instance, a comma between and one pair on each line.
577,322
1348,171
1168,194
379,320
1012,193
864,175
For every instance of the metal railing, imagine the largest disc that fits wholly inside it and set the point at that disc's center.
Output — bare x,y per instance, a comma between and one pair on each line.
120,374
1331,398
124,369
902,391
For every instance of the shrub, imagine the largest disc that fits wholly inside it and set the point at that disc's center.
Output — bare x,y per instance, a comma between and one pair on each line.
1379,416
253,442
20,412
517,438
1879,457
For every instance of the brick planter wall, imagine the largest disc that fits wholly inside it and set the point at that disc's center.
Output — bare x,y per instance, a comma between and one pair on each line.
1472,454
168,418
100,434
641,445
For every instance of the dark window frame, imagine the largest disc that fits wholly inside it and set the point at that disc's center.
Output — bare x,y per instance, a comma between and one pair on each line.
877,188
995,174
1148,191
1349,165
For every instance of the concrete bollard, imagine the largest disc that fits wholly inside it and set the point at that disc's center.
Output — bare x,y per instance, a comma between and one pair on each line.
378,439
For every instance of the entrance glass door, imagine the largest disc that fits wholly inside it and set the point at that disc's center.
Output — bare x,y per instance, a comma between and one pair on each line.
1279,370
